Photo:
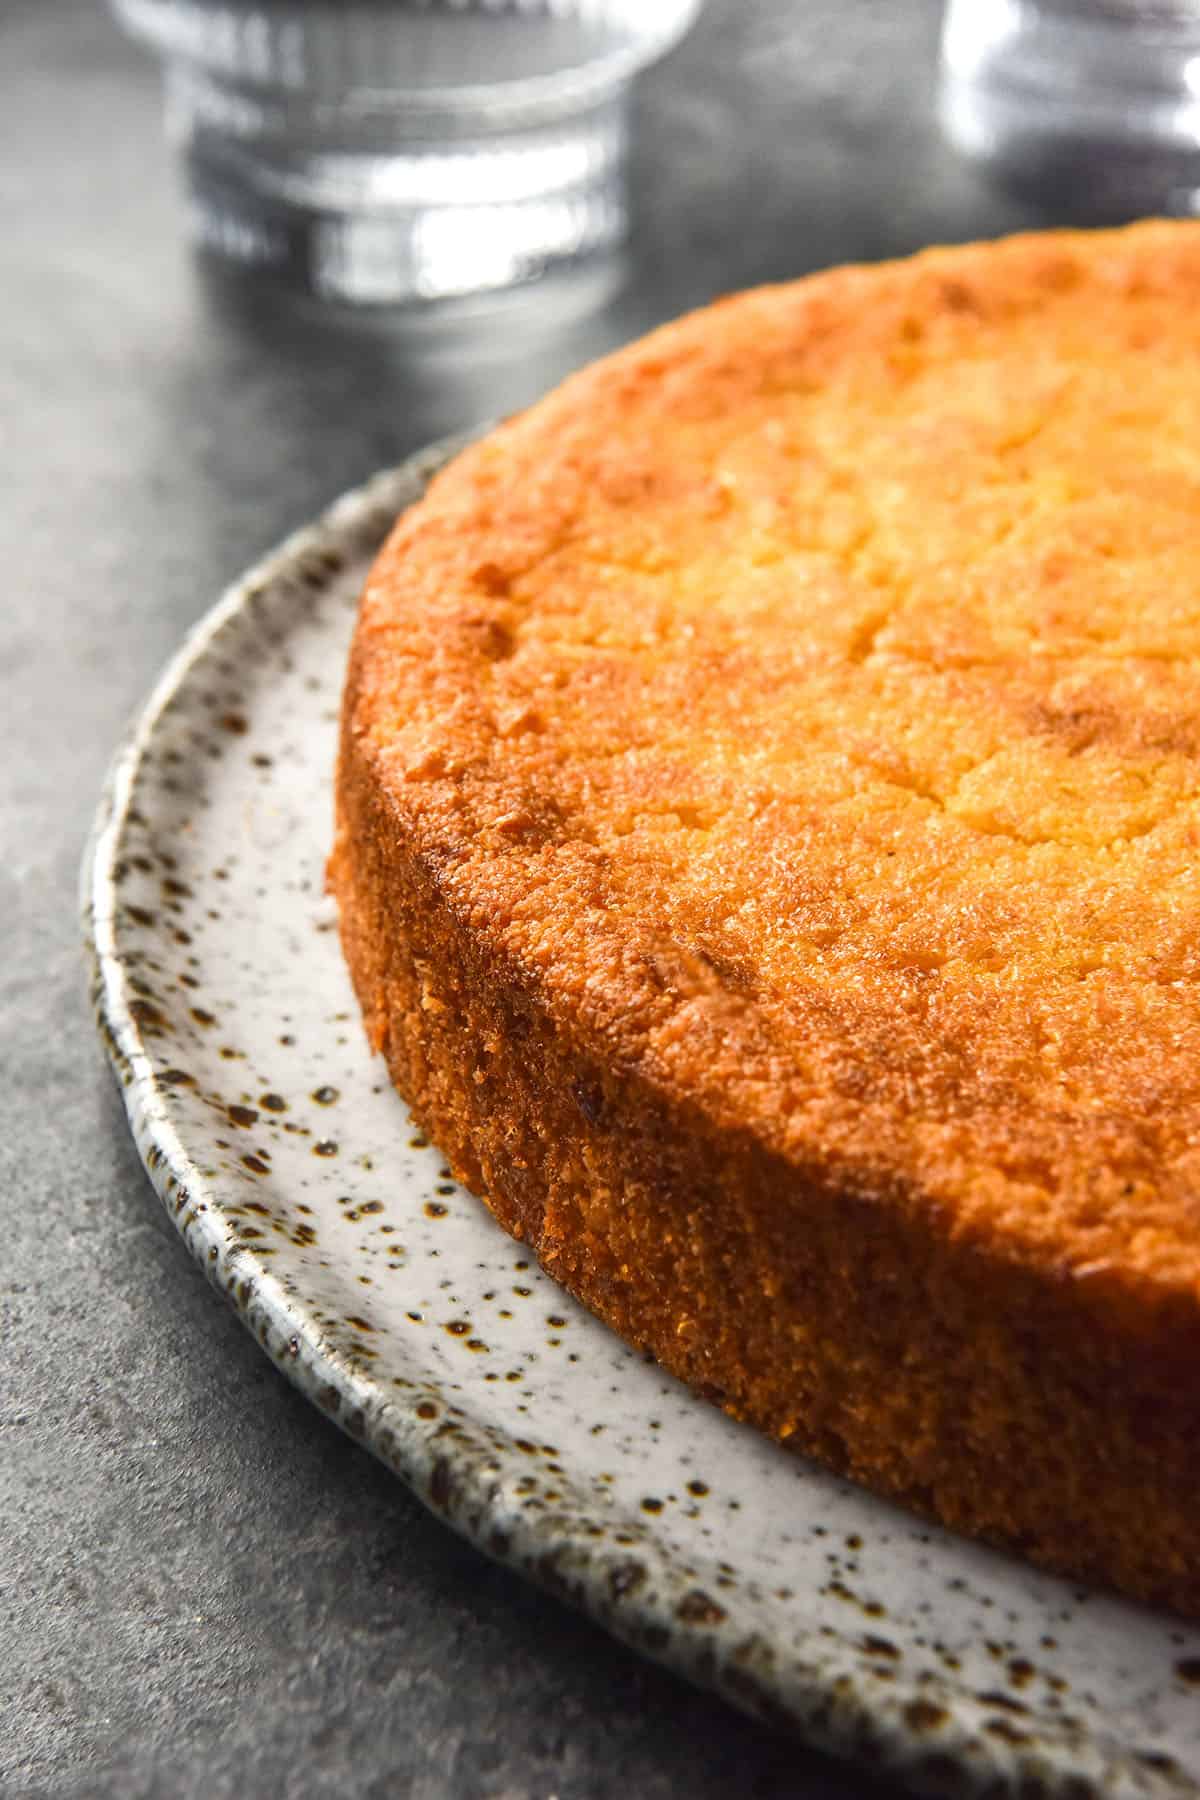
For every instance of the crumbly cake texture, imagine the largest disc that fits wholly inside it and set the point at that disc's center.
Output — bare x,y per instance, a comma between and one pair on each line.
767,857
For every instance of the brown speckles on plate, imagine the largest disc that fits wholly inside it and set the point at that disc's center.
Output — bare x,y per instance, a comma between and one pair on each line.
177,1078
299,1181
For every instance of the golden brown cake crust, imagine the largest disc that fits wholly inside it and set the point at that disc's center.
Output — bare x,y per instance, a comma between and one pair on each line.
766,853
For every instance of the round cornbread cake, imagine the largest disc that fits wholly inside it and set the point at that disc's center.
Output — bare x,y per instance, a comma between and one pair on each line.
767,827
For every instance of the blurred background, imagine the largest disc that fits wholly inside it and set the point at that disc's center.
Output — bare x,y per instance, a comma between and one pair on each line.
205,1589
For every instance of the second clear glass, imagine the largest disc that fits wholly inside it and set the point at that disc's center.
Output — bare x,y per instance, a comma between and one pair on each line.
1092,104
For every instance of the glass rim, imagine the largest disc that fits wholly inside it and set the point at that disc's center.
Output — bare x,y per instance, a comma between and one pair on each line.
149,22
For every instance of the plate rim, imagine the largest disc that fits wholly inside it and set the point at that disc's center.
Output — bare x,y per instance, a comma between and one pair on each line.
439,1460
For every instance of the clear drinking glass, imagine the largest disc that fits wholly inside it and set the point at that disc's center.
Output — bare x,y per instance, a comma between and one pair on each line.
404,151
1096,102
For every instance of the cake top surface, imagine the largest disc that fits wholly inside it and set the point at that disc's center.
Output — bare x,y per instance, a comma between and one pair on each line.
805,703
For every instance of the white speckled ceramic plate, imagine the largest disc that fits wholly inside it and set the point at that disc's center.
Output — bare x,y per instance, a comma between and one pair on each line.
394,1301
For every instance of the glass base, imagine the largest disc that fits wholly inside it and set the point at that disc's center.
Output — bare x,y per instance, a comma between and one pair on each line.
414,226
1090,104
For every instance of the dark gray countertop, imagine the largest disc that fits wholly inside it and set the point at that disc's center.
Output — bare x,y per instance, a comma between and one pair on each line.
204,1589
